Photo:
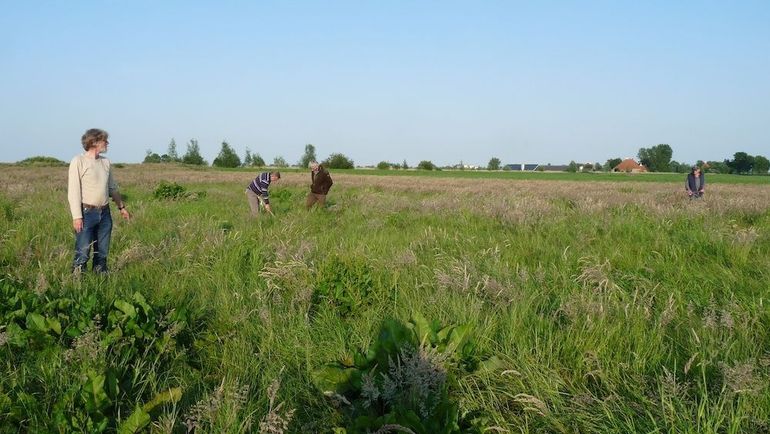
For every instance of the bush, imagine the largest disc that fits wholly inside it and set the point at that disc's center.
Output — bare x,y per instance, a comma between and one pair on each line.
407,377
384,165
169,191
426,165
338,161
345,284
152,157
41,161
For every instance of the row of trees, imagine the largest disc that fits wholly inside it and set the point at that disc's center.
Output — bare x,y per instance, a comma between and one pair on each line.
656,159
227,157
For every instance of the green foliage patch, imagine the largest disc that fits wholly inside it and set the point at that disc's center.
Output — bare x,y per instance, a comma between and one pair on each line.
85,360
407,378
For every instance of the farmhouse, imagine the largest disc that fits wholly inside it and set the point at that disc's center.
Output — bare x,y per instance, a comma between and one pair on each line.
629,165
521,167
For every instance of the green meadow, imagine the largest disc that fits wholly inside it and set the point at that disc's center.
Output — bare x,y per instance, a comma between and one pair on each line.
422,302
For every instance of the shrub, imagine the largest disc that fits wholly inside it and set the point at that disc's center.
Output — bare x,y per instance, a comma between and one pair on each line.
41,161
169,191
384,165
338,161
345,284
152,157
406,378
426,165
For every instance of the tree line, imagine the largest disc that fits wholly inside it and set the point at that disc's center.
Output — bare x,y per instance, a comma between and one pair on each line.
227,157
655,158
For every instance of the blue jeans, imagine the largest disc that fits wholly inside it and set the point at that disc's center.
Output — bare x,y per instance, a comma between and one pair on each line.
97,229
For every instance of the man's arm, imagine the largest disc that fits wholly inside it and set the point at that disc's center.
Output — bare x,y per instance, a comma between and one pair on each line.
118,199
74,195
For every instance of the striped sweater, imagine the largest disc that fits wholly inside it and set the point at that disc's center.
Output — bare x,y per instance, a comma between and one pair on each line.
260,185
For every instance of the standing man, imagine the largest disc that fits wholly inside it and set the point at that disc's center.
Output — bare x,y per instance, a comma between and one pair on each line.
320,183
257,192
696,183
90,185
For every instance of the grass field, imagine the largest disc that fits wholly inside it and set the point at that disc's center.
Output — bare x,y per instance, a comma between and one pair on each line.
441,302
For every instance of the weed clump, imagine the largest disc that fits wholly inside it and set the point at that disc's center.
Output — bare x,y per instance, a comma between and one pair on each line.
173,191
406,379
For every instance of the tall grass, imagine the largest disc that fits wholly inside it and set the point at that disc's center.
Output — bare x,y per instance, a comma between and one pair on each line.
610,307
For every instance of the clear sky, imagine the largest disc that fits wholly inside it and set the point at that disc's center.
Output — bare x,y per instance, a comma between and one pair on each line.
542,82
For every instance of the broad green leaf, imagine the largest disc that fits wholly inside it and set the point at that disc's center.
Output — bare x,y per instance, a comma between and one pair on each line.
332,378
457,337
491,364
141,301
127,308
16,335
54,325
93,393
421,327
170,395
138,420
36,322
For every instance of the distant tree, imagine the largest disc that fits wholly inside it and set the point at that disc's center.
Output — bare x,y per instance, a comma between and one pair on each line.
494,164
573,167
716,167
656,158
761,165
280,162
404,165
193,154
227,157
426,165
588,167
165,158
247,159
741,163
338,161
598,167
384,165
678,167
151,157
308,156
611,163
258,161
172,155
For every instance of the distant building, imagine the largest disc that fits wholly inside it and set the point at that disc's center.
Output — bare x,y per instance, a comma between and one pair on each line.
554,167
521,167
629,165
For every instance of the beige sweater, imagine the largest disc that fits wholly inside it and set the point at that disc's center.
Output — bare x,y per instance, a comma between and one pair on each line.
90,182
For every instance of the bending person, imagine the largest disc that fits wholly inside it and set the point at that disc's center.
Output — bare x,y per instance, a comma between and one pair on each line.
257,193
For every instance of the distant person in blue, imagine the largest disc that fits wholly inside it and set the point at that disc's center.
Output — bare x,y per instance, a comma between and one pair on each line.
257,192
696,183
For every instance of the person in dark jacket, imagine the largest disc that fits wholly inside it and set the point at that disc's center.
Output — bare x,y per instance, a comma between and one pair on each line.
696,183
321,182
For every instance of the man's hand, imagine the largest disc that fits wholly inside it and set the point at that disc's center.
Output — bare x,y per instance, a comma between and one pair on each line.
77,224
125,214
269,209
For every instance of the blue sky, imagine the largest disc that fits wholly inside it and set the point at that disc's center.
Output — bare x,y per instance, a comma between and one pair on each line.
447,81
